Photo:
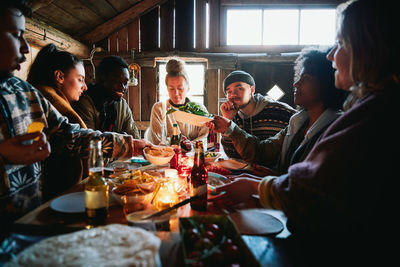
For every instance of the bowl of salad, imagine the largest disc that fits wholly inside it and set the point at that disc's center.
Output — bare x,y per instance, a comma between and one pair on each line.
211,156
191,113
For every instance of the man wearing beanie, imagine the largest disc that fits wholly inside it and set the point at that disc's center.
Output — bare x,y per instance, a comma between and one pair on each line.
258,115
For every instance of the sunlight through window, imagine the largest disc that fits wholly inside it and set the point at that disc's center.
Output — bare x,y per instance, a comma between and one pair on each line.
281,26
244,27
275,92
317,26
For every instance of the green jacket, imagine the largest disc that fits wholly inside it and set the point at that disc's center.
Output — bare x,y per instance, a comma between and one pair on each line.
87,110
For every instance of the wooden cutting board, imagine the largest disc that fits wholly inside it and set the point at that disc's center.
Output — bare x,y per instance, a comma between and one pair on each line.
256,222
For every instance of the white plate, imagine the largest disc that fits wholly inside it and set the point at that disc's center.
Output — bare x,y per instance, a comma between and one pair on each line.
190,118
232,164
69,203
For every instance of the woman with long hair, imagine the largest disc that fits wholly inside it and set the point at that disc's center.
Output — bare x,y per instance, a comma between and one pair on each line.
60,77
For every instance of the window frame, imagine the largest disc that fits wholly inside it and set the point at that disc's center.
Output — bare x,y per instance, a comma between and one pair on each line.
273,49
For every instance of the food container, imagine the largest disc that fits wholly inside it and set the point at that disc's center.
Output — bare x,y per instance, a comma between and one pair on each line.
211,156
213,240
132,201
158,155
160,223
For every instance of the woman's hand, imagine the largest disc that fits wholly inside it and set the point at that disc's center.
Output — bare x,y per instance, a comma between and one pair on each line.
228,110
14,151
218,124
236,192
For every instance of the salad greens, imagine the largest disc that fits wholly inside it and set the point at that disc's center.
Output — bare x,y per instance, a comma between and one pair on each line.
193,108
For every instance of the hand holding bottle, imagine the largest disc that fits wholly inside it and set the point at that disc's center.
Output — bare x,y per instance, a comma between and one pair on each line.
186,145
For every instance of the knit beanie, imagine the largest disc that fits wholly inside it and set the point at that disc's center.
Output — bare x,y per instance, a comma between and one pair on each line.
238,76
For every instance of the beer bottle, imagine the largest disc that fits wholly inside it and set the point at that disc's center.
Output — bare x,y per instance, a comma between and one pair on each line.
198,179
175,139
96,187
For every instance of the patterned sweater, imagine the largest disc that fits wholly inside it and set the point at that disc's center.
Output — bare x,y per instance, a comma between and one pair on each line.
268,119
21,104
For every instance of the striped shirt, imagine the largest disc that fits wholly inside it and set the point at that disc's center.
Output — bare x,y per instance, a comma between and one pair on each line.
20,105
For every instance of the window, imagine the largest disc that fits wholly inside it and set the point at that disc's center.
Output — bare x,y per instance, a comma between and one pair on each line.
266,26
244,31
195,71
275,92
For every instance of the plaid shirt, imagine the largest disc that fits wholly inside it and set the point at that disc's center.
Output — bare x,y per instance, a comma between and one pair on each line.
20,105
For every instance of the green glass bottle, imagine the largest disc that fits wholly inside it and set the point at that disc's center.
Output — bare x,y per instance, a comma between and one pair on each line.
96,187
175,139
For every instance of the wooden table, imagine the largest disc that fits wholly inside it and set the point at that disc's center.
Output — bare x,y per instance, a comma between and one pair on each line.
45,221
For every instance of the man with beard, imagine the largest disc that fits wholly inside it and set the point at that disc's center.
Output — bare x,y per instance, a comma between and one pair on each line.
258,115
102,106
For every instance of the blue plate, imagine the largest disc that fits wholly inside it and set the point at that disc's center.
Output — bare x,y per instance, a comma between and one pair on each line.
141,161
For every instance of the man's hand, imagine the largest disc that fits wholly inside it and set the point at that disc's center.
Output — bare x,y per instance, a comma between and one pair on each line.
139,145
228,110
218,124
233,193
14,151
186,145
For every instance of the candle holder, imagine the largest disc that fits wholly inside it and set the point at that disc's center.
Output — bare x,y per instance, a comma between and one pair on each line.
179,182
166,195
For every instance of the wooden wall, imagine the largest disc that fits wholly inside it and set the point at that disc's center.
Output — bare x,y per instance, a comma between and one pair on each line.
23,72
142,34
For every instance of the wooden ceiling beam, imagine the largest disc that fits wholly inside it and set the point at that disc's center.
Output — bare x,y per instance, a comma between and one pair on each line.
129,15
36,4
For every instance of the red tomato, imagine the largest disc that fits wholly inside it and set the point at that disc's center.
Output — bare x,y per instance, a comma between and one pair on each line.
213,228
193,235
210,235
228,242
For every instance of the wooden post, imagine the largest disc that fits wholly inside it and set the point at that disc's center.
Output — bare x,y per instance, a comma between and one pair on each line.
167,26
148,91
212,91
149,31
184,20
133,35
201,21
214,23
123,40
113,48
